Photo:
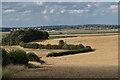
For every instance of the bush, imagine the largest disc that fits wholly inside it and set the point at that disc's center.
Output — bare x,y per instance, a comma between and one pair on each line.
18,57
80,46
5,58
88,48
33,57
23,44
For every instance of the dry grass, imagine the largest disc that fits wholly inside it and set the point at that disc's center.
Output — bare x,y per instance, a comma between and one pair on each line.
11,69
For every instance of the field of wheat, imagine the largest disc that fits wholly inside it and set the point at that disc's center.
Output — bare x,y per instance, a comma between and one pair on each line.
102,63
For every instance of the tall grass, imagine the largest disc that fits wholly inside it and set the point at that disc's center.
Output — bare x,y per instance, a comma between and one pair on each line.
11,69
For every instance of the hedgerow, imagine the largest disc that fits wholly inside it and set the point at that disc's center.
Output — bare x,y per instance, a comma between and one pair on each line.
61,45
55,54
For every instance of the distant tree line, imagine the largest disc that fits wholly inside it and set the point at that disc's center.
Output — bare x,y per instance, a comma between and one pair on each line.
23,35
62,27
85,27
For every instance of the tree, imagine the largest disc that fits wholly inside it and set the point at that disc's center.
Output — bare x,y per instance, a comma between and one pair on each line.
61,43
26,35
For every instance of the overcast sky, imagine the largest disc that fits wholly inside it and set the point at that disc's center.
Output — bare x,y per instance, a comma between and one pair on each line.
58,13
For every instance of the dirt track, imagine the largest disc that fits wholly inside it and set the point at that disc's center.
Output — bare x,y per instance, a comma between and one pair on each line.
102,63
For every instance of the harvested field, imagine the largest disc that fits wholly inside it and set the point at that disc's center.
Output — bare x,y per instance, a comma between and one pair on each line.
102,63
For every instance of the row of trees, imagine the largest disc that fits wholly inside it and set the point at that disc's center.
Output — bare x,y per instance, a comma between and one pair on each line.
61,45
95,26
26,35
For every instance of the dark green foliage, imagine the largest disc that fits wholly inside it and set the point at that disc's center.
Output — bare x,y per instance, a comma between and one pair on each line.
33,57
32,45
18,57
49,46
39,46
61,43
55,54
5,58
23,44
88,48
26,35
60,33
73,47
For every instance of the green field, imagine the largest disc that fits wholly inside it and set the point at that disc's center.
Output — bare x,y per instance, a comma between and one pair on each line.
54,37
83,32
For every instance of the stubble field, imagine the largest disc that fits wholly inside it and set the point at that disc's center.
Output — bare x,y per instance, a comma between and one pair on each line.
102,63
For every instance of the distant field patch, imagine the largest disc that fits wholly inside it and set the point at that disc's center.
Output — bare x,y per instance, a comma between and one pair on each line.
83,32
54,37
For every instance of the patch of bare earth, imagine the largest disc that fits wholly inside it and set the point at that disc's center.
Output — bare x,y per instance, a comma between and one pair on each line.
102,63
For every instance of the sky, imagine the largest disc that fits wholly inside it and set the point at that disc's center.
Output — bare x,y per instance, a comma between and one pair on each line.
24,14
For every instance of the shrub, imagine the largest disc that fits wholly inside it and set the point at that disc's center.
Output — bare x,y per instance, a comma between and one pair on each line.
5,58
80,46
88,48
18,57
33,57
23,44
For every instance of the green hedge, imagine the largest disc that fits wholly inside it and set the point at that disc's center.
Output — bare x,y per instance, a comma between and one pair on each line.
55,54
61,45
33,46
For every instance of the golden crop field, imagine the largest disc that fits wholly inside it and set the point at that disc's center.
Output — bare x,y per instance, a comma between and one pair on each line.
102,63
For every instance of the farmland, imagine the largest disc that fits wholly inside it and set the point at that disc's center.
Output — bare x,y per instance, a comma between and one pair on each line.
60,39
102,63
